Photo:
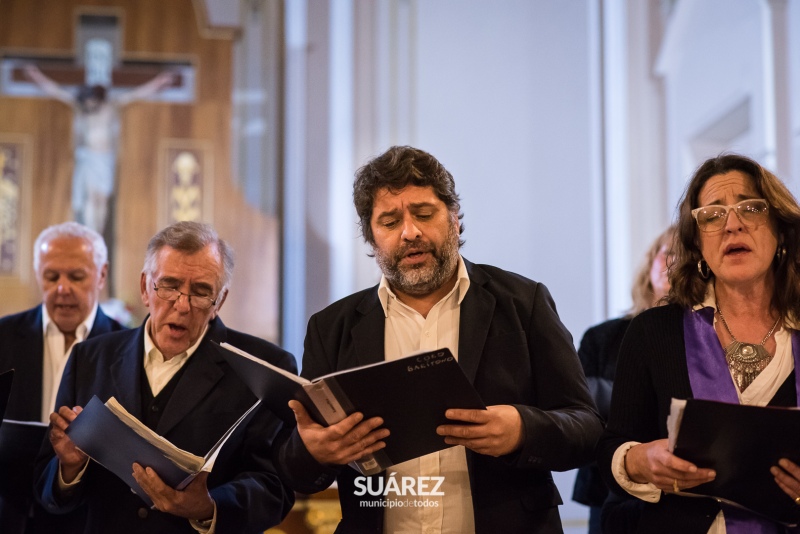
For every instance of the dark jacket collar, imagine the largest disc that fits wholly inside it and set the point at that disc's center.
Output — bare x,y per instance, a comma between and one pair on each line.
477,309
197,380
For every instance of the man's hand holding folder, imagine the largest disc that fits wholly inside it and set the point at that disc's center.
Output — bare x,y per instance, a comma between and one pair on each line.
349,440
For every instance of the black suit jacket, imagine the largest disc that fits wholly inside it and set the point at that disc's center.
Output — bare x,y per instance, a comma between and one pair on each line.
22,349
208,399
651,370
598,352
515,350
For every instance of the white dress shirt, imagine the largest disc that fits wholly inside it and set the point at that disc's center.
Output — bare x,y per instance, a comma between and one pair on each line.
158,370
407,332
55,357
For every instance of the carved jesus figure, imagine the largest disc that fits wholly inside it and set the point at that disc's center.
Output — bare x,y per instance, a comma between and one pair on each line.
95,138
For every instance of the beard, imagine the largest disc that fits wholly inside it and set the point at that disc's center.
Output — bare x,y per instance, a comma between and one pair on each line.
423,278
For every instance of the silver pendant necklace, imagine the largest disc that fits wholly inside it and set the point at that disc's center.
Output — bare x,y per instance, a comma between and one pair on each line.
746,360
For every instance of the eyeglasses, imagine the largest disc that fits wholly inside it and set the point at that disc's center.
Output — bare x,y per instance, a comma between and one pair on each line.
752,212
196,301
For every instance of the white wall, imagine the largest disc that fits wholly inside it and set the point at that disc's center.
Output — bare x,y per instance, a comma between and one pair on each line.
503,100
722,98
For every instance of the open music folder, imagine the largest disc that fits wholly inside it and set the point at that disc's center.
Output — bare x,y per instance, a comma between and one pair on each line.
741,443
115,439
411,394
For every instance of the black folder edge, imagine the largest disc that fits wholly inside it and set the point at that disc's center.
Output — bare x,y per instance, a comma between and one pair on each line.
120,445
725,413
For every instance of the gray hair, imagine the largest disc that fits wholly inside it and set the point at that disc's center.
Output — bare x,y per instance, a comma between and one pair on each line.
189,237
71,229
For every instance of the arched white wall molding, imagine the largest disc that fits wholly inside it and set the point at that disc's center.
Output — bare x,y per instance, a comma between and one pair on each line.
725,98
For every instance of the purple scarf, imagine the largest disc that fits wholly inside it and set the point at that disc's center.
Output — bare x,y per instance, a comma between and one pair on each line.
710,379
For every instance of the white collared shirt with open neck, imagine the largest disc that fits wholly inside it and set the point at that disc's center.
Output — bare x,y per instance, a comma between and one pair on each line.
56,355
406,332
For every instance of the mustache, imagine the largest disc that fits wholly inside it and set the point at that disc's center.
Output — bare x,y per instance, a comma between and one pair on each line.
416,246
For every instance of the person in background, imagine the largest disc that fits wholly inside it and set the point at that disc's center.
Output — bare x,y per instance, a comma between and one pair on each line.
169,375
725,335
504,331
598,352
71,264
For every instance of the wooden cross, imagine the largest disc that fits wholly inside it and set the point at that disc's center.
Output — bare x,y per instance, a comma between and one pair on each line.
72,72
72,80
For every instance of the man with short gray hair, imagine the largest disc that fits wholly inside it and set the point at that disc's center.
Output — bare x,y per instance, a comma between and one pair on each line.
71,266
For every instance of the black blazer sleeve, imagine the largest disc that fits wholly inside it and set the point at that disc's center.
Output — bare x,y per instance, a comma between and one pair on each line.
561,424
650,371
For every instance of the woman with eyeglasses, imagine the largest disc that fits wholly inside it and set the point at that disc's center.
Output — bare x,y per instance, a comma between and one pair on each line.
726,335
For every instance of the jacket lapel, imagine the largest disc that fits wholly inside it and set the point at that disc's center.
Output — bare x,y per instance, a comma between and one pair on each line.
28,364
33,329
202,373
102,324
368,334
130,364
477,310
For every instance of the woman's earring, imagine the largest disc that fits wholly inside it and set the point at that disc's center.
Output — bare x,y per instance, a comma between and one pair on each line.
780,254
702,268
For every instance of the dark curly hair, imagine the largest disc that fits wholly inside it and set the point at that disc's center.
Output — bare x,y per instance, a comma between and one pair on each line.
687,287
398,167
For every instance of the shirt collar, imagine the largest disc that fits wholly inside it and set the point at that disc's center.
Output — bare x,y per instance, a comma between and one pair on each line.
153,355
81,332
710,301
462,285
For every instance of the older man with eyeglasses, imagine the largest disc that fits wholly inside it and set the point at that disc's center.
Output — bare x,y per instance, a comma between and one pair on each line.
169,374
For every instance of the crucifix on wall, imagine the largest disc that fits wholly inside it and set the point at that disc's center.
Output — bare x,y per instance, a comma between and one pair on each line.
97,84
